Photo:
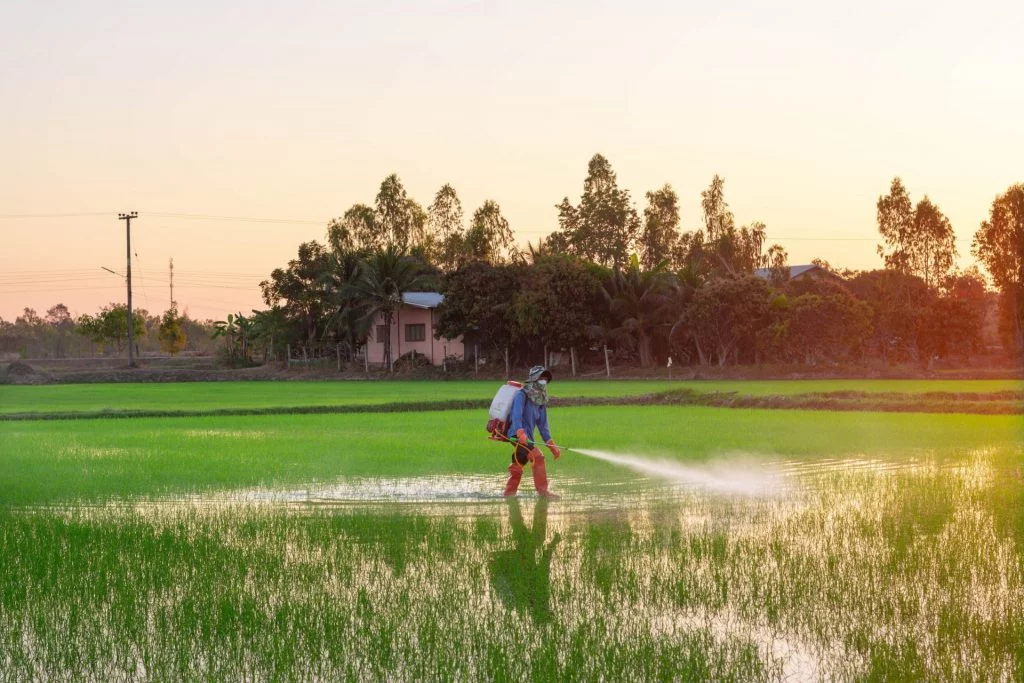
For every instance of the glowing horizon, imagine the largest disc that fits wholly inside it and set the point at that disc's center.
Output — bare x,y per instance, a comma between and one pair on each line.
298,112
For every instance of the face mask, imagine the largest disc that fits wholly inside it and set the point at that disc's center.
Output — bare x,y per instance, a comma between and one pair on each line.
542,382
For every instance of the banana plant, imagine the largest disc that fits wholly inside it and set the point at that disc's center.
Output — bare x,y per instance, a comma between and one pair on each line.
246,328
228,329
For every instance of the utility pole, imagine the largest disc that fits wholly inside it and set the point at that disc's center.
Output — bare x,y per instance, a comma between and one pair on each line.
172,282
127,218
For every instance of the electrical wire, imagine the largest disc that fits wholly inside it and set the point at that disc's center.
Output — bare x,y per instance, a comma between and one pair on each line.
59,289
56,215
86,279
240,219
142,280
308,221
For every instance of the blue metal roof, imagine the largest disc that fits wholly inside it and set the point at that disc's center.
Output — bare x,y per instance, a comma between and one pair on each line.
794,271
800,270
423,299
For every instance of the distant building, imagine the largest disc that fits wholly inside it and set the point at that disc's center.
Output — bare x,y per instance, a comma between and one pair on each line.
412,329
806,272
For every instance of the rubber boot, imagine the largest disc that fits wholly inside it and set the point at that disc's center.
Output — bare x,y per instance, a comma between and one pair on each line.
540,475
515,473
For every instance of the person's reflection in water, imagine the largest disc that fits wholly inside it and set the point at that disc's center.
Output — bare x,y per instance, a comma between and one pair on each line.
521,576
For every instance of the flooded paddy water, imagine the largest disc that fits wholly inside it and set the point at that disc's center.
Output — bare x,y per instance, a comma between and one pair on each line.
749,567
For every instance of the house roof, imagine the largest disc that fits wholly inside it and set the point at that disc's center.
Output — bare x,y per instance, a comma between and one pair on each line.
423,299
794,271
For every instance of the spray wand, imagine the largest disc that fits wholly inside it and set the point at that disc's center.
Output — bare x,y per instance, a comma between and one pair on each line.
530,443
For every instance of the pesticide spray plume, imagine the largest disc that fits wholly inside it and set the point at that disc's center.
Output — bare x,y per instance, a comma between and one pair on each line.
735,475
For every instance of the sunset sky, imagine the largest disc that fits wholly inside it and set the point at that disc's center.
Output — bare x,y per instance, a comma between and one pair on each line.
295,111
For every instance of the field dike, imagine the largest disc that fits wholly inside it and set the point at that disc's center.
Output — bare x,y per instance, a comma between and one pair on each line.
992,403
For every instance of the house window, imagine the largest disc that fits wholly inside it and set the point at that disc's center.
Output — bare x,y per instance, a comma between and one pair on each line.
415,333
381,333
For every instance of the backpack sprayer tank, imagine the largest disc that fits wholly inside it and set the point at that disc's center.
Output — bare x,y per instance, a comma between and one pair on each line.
501,407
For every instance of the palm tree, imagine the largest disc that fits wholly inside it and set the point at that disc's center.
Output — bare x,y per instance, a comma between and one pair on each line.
381,281
350,321
639,303
689,279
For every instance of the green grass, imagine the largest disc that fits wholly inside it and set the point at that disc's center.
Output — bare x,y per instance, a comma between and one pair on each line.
43,462
896,552
219,395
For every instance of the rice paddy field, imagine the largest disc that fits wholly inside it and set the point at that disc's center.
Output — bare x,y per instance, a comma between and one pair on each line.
709,543
267,395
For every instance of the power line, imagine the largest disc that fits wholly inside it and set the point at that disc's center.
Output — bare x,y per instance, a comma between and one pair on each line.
142,279
769,238
226,279
57,215
242,219
192,285
49,280
145,278
214,301
218,273
171,214
54,270
91,272
59,289
321,221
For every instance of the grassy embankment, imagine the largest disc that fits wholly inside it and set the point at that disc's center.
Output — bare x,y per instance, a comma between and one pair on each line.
194,399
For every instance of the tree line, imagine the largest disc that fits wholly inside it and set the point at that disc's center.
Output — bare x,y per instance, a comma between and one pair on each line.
58,334
611,276
634,282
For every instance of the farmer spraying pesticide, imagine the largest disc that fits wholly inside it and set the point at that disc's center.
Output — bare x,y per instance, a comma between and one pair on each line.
527,413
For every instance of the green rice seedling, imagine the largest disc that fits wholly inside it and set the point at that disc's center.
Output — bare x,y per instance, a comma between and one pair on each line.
213,396
43,462
219,395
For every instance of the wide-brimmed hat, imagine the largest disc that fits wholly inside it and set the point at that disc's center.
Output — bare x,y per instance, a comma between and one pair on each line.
538,372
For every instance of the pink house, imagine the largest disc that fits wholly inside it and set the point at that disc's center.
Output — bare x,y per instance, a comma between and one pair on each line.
412,329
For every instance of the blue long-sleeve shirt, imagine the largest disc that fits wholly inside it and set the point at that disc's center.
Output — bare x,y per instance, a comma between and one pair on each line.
527,415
